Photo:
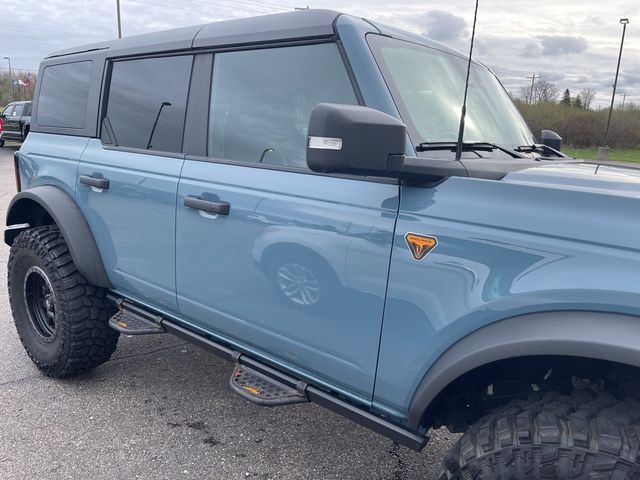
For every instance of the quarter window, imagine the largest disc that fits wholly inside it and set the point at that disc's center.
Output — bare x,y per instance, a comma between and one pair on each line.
147,102
261,101
63,96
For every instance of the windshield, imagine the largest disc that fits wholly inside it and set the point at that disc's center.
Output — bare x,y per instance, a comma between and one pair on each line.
428,87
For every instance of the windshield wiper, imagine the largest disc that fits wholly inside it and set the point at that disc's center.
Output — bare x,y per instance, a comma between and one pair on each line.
467,147
540,148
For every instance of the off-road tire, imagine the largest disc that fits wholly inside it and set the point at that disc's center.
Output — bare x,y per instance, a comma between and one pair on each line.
80,338
582,436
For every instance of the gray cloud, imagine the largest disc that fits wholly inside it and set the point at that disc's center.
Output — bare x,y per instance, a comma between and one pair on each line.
532,49
507,41
550,76
631,78
555,45
443,26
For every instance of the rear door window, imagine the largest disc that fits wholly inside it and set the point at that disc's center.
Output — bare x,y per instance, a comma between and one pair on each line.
146,103
261,101
63,95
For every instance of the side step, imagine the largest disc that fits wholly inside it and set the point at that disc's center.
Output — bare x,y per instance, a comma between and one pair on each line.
132,320
263,390
258,382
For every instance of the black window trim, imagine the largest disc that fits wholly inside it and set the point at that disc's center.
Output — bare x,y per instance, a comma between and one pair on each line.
65,129
332,40
195,53
200,143
190,144
104,101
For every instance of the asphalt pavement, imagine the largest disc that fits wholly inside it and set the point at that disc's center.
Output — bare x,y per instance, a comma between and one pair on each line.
161,409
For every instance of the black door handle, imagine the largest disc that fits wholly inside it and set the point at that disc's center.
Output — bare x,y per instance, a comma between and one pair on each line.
220,208
95,182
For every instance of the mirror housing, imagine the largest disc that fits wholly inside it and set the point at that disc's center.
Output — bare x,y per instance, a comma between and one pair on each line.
551,139
354,140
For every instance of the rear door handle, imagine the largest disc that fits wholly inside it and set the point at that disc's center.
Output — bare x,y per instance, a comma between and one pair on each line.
102,183
219,208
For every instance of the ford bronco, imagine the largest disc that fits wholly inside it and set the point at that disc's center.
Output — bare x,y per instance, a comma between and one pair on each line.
288,192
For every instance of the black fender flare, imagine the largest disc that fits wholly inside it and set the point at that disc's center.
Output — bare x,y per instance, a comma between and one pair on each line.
598,335
72,224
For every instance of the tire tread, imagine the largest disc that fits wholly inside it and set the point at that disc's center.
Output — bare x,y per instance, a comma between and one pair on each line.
584,435
87,339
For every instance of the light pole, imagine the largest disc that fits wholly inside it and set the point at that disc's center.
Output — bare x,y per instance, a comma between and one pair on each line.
603,152
13,92
119,22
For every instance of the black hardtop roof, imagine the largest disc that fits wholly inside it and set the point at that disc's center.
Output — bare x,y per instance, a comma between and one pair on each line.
300,24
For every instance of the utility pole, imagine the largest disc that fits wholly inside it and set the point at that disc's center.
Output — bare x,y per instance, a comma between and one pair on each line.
13,90
533,81
119,22
624,99
603,152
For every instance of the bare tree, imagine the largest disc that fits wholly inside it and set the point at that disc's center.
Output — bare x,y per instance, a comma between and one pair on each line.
544,91
525,94
587,95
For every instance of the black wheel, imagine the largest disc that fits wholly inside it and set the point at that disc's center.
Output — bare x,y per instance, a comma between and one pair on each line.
582,436
1,142
61,320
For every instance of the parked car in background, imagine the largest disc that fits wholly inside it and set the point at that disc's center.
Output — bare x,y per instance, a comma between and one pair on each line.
16,122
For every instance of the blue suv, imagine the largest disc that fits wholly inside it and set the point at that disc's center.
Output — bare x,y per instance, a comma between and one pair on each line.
286,191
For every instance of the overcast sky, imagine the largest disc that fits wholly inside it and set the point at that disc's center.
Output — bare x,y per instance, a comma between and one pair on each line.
573,43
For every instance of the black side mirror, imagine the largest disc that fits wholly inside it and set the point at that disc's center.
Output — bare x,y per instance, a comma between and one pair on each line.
551,139
353,140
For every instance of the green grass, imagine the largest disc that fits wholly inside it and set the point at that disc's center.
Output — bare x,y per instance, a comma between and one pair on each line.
617,155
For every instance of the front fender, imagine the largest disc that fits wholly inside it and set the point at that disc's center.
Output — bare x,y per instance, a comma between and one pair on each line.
39,204
603,336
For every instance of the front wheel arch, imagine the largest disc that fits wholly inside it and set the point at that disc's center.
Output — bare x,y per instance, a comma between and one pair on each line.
561,333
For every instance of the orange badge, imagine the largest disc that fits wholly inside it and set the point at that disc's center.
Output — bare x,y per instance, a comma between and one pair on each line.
420,245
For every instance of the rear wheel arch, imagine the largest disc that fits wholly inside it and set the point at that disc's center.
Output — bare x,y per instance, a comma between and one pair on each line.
49,205
584,336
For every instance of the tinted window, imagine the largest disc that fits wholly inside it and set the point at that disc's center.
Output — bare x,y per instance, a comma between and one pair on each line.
63,95
261,100
7,111
147,102
18,110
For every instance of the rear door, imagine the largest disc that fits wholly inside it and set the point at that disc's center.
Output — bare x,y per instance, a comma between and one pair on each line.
128,179
280,261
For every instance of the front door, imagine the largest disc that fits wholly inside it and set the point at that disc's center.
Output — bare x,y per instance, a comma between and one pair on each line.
128,179
273,258
11,123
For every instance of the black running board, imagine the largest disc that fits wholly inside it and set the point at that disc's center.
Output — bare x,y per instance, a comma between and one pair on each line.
133,320
397,433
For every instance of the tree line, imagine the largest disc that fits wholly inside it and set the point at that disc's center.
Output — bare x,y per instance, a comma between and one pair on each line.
575,119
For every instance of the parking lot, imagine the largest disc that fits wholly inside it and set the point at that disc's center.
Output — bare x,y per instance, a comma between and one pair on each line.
161,408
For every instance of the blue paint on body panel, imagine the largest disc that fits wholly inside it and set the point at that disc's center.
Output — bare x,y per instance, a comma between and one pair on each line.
134,220
229,268
547,239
